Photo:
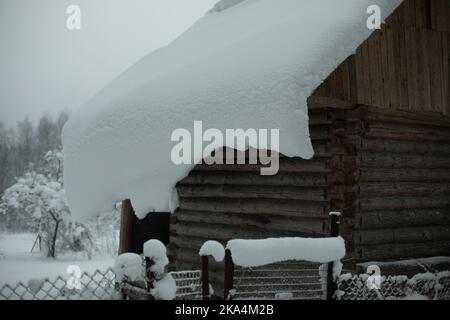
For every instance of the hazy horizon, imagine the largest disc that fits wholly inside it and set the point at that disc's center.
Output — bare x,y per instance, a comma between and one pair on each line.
47,68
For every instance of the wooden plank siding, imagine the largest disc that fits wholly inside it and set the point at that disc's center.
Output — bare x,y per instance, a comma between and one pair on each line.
402,66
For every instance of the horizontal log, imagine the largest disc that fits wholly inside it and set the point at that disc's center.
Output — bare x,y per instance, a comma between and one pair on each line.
320,102
370,189
402,235
402,146
398,202
320,132
254,178
258,206
395,218
181,243
403,117
285,165
388,130
402,251
404,175
251,191
320,117
272,222
224,233
399,160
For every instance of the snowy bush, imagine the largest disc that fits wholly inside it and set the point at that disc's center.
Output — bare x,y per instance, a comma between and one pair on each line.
38,198
105,232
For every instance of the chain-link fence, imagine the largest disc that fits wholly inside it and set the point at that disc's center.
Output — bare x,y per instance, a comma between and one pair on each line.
425,286
99,285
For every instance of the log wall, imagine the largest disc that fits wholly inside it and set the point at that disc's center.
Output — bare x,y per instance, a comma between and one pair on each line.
224,202
402,209
387,171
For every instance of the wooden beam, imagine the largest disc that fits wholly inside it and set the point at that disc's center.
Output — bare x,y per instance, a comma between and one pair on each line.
126,227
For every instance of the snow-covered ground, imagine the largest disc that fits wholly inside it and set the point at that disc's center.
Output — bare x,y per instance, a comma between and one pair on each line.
17,264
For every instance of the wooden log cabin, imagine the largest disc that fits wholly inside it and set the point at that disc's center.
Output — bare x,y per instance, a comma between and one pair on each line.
380,128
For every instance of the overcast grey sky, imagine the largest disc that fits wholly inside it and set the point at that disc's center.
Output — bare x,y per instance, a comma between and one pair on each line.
44,67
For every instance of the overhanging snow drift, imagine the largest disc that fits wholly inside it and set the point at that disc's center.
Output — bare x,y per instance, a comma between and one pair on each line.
252,65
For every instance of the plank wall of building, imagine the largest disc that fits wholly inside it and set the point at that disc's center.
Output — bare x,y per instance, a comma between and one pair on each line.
403,66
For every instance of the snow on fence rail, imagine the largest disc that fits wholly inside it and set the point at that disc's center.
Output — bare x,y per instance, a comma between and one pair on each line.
279,257
423,286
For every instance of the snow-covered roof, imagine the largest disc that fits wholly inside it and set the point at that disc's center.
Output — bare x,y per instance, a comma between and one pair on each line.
246,64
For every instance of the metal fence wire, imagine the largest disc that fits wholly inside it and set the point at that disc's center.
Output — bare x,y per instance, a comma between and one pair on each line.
431,286
99,285
189,284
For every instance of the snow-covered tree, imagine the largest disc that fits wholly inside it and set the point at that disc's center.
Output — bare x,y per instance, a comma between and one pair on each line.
40,198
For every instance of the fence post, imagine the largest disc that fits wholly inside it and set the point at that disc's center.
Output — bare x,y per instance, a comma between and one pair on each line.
229,275
150,276
334,232
205,278
126,227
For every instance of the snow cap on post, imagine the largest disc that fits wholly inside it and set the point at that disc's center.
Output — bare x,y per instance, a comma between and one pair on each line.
335,213
214,249
129,266
156,251
164,289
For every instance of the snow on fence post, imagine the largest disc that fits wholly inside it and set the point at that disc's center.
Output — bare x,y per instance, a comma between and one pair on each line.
229,275
160,284
217,251
334,232
126,227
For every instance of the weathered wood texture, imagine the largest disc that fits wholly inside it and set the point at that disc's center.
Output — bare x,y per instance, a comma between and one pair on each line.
381,146
402,184
126,227
223,202
392,186
402,66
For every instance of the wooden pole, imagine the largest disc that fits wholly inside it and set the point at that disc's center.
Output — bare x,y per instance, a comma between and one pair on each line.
126,227
205,278
150,276
334,232
229,275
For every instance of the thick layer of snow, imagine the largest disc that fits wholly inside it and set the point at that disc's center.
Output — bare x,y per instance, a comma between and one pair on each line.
130,267
156,251
165,289
252,65
256,253
19,265
214,249
224,5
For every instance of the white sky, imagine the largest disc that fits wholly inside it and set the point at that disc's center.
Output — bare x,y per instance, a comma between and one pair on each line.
44,67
